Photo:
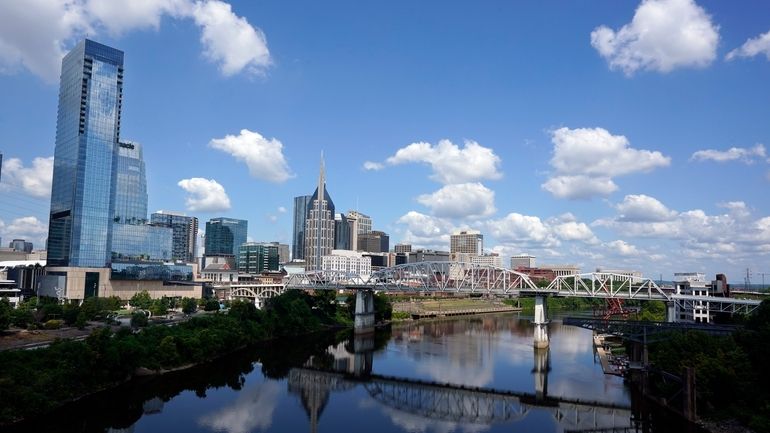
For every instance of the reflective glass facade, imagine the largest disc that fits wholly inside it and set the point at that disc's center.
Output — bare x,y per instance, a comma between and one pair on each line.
85,157
131,185
151,271
141,242
185,233
254,258
301,208
224,236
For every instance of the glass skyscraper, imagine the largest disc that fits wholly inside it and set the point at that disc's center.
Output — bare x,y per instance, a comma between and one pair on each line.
224,236
319,226
301,208
185,234
255,258
85,158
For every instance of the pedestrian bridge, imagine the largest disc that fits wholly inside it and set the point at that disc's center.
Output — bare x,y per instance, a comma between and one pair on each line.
455,277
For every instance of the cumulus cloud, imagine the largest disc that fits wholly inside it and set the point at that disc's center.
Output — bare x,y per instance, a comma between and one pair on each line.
586,159
663,35
464,200
35,34
570,230
623,248
732,154
450,163
519,229
204,195
251,411
34,180
28,228
643,208
425,230
263,156
752,47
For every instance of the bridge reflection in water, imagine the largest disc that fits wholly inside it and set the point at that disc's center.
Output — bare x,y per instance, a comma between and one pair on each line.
437,401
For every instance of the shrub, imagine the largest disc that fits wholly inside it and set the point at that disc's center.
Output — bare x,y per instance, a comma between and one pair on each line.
189,305
138,319
211,305
53,324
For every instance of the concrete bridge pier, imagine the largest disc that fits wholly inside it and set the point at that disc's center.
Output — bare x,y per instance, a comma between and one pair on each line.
671,312
541,323
364,317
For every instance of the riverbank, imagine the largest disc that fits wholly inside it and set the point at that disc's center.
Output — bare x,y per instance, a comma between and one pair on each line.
433,308
67,370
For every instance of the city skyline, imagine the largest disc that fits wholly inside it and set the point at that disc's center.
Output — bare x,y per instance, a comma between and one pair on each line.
576,145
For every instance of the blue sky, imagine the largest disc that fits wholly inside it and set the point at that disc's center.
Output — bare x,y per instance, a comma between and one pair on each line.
606,134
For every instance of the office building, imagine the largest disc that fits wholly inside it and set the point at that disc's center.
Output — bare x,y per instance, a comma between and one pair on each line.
466,242
421,255
301,208
522,261
85,157
224,236
342,232
319,227
359,224
256,258
184,234
283,251
403,248
374,242
493,260
347,262
20,245
133,238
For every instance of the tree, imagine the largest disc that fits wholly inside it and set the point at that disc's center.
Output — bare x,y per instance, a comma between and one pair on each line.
189,305
211,305
159,307
138,320
5,313
141,300
243,310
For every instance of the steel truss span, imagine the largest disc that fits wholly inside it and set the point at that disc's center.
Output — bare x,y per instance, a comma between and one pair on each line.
454,277
481,406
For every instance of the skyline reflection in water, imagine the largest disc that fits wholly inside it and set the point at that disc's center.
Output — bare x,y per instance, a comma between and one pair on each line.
462,375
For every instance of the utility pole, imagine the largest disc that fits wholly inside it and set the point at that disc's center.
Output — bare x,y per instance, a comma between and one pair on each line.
747,281
763,279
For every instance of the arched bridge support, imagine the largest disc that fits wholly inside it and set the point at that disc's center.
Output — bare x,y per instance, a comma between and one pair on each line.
364,317
541,322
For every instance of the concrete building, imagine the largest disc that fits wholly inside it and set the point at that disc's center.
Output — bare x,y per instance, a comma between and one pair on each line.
636,275
319,227
693,284
374,242
283,251
487,260
467,242
21,245
359,224
402,248
422,255
184,233
522,261
350,262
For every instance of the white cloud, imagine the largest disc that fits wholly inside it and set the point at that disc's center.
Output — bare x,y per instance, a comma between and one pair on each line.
464,200
369,165
586,159
662,36
752,47
230,40
520,229
251,411
731,154
425,231
574,231
579,187
623,248
263,157
28,228
205,195
281,209
34,180
643,208
35,34
449,163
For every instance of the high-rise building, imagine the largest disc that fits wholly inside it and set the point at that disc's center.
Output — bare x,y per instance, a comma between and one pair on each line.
522,261
255,258
283,251
185,234
374,242
20,245
342,232
224,236
359,224
85,157
132,237
301,208
466,242
348,262
319,227
403,248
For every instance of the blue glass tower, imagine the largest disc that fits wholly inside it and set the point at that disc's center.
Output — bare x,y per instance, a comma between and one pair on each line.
85,158
224,236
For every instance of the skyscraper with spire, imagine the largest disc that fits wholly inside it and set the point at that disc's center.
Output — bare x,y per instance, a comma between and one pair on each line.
319,226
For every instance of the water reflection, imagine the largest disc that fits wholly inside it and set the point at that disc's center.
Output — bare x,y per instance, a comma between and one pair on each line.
467,375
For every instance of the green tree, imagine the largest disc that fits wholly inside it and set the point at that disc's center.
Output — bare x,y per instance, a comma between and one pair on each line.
243,310
189,305
159,307
211,305
168,354
5,313
383,309
141,300
138,320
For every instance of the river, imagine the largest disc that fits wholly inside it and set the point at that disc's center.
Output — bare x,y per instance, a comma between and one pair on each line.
472,374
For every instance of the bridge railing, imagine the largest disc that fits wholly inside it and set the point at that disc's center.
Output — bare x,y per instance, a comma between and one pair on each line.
605,285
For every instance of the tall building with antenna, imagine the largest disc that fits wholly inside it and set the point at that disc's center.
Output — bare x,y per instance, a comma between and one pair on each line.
319,226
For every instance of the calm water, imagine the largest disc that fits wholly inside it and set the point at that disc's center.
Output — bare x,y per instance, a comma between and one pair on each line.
466,375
